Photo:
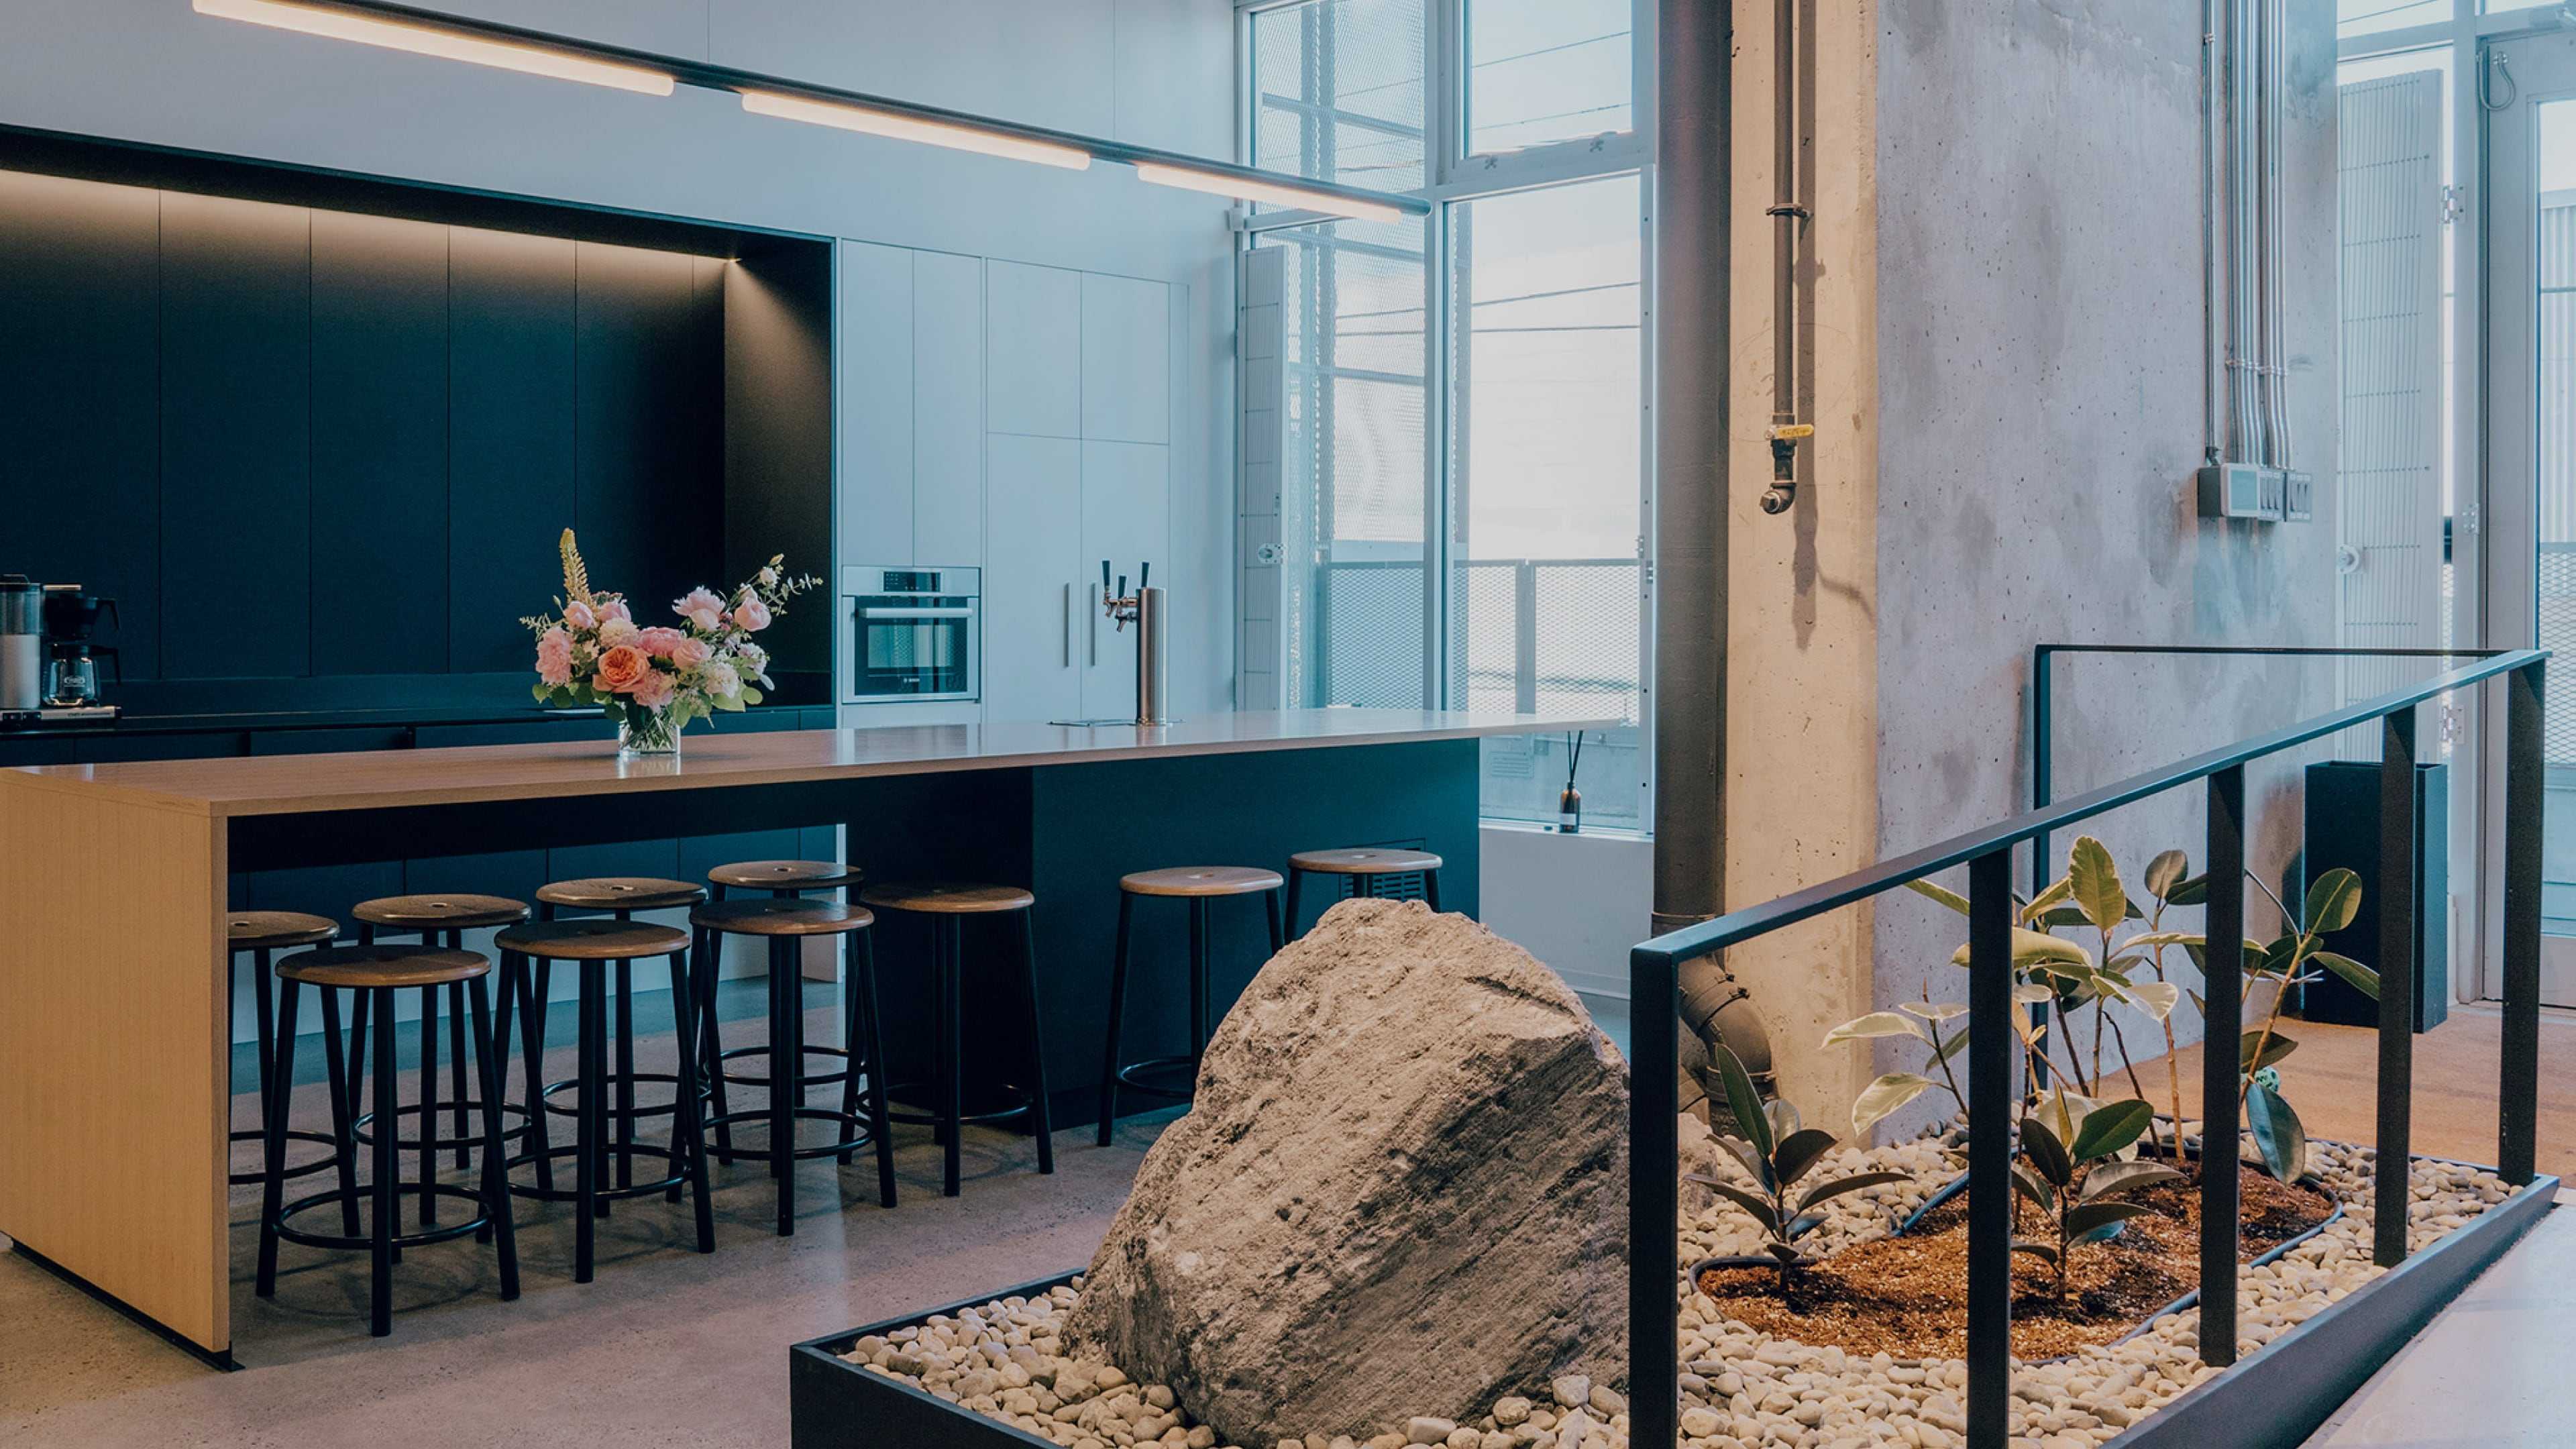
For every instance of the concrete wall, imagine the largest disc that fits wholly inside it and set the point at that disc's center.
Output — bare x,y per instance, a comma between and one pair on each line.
2040,371
1159,72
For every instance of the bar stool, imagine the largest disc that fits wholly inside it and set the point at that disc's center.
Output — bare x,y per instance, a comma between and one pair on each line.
1364,867
438,920
947,906
263,934
370,972
620,896
785,922
1199,885
594,944
778,880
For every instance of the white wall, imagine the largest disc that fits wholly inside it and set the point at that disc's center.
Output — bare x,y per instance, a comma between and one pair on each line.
1157,72
1576,902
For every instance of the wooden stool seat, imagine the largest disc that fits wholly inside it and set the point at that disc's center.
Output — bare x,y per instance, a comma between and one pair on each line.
440,912
382,968
948,898
782,916
1366,860
620,893
784,875
271,930
591,939
1200,880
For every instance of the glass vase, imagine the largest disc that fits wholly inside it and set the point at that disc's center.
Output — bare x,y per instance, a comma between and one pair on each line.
647,732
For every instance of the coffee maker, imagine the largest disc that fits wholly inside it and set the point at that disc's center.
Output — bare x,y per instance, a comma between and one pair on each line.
71,658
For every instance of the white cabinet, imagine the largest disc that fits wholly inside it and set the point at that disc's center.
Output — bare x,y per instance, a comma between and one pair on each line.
1033,567
1033,350
1126,519
947,402
1126,360
875,331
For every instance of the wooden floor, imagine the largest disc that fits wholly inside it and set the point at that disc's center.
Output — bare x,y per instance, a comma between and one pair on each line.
2332,1079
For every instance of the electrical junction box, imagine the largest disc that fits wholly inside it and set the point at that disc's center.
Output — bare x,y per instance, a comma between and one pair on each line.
2298,497
2245,490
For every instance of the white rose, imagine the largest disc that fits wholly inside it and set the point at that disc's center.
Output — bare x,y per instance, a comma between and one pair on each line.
720,680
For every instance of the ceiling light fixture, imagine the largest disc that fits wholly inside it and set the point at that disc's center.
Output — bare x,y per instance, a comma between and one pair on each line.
440,41
902,127
1242,188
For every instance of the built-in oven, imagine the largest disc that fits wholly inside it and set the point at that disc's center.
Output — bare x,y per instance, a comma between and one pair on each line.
915,633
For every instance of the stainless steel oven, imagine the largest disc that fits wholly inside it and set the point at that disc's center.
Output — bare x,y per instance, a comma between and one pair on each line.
915,633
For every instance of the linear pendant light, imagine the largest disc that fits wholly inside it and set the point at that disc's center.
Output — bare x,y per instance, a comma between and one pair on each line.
914,128
447,44
1245,189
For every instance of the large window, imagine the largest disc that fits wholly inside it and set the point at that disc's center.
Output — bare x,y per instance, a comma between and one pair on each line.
1463,485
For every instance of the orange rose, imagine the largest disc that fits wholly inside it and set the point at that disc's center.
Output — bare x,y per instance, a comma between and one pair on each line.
622,668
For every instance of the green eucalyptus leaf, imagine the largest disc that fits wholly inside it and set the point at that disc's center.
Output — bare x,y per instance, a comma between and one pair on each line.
2361,978
2164,873
1744,1102
1797,1152
2095,883
1883,1096
2333,901
1931,892
2108,1128
2278,1136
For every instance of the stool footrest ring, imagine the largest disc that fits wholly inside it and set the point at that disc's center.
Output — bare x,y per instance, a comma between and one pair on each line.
657,1109
1127,1077
678,1178
760,1116
812,1079
903,1092
362,1127
323,1163
444,1232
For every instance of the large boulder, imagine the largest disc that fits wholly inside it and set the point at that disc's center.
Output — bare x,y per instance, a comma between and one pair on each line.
1402,1190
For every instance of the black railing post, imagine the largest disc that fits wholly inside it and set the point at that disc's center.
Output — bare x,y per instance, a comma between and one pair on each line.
2223,989
2043,761
1991,1044
1654,1198
2390,1192
2518,1091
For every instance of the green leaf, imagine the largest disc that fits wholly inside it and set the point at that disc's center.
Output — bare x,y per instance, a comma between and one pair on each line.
2113,1177
2038,907
1797,1152
1755,1168
1884,1096
2060,917
1799,1227
1876,1024
2361,978
2095,883
1932,1010
2278,1136
2333,901
1783,1117
2046,1153
1744,1103
2027,1183
2164,873
1753,1203
2045,1252
540,691
2036,949
2031,993
1950,1047
2092,1217
2108,1128
2191,892
1931,892
1825,1191
2278,1047
2156,998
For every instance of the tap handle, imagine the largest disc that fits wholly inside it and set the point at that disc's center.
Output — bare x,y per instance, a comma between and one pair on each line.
1144,571
1122,586
1104,579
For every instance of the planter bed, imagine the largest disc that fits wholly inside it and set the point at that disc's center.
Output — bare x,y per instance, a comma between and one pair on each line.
2314,1323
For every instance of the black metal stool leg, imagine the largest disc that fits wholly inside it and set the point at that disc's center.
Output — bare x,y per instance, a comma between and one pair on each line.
344,1141
516,971
625,1073
1296,878
851,1047
951,1048
1431,888
786,1073
428,1105
262,982
463,1126
489,1059
688,1124
586,1141
1042,1121
710,961
388,1213
880,1120
1278,937
1198,984
1117,1018
358,1004
272,1196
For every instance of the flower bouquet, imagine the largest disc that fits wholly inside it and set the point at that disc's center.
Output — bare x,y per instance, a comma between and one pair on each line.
653,680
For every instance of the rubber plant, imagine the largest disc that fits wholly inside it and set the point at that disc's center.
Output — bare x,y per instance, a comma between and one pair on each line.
2075,1180
1779,1152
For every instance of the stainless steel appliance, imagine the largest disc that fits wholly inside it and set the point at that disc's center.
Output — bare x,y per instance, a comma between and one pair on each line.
22,639
72,658
915,633
1144,609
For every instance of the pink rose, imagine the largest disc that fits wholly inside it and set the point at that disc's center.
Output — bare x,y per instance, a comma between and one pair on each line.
622,668
659,641
691,652
753,615
701,608
615,608
655,689
579,615
554,658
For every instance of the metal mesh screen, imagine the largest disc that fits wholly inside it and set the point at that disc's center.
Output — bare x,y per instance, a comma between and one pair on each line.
1372,630
2558,631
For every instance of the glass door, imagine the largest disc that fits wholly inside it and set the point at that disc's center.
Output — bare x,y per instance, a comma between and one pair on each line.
2527,92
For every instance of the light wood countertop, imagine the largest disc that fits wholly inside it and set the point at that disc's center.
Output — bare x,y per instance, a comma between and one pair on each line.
294,784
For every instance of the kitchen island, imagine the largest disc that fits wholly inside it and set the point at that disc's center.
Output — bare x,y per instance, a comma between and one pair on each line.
115,880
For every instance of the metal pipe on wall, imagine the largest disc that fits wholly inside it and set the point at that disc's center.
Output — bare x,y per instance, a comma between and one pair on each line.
2275,373
2247,439
2213,201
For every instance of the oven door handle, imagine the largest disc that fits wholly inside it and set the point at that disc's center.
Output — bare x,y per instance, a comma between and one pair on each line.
956,613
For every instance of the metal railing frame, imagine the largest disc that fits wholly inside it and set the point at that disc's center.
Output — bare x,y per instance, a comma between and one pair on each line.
1654,1400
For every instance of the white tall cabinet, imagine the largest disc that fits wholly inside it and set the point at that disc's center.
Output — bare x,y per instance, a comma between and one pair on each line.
1018,417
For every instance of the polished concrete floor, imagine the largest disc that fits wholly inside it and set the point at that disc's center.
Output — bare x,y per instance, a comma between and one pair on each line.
666,1347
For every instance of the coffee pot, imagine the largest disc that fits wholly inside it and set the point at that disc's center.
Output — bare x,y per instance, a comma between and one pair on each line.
71,660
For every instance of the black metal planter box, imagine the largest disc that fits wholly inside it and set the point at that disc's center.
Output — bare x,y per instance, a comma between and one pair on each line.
2274,1399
